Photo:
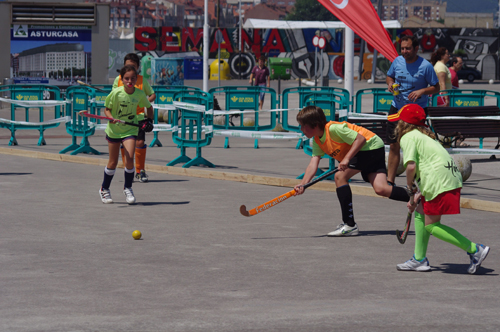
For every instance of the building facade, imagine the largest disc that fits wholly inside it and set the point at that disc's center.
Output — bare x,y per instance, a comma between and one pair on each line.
428,10
43,60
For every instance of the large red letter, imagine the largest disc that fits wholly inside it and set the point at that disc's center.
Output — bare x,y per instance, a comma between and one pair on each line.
253,44
274,35
189,40
145,39
169,40
226,44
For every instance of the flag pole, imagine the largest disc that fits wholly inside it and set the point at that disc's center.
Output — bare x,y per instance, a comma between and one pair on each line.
349,61
206,48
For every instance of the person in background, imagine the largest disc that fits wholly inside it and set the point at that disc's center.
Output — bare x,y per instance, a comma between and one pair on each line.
417,80
439,59
456,65
262,78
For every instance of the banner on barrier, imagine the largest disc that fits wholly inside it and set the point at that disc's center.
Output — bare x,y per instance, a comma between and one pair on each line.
36,124
34,103
258,134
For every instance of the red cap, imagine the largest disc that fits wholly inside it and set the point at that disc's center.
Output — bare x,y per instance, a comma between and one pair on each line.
410,113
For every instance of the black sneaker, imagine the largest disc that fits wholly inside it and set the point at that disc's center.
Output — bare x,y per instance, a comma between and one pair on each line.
142,176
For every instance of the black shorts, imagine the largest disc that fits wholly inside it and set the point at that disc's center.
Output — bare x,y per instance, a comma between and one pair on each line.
392,125
372,161
119,140
141,136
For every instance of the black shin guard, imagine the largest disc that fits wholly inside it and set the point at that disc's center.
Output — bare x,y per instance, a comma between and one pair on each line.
344,194
399,194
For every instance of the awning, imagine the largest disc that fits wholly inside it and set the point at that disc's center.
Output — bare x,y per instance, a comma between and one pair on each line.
253,23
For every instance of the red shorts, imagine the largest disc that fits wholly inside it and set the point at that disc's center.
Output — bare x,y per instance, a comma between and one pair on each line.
440,100
444,203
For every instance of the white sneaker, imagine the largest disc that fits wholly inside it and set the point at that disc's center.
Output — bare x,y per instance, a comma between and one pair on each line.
129,194
414,265
105,196
345,230
478,257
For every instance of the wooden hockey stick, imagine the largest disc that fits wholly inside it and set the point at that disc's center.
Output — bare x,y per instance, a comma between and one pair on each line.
90,86
279,199
100,117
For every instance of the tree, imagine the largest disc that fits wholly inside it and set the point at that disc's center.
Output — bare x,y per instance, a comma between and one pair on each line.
310,10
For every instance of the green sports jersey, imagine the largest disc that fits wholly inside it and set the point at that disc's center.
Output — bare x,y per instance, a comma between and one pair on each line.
141,84
123,107
436,171
341,133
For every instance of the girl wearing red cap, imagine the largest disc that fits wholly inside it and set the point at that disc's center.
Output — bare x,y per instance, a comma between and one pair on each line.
439,181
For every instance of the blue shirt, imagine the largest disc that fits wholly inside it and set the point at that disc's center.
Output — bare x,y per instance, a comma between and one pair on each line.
411,77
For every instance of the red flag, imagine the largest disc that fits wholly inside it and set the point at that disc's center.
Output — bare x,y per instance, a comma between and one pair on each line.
361,17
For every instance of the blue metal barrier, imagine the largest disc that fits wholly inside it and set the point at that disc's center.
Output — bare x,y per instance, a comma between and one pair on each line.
79,98
31,93
97,103
165,96
341,96
382,99
244,98
321,98
193,126
467,98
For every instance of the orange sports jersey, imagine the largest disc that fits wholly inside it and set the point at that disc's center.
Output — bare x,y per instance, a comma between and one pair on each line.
338,150
138,85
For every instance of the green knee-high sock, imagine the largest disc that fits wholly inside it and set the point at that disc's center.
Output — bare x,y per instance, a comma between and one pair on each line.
421,237
452,236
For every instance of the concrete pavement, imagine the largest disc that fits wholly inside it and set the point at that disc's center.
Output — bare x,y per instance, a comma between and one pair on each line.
69,262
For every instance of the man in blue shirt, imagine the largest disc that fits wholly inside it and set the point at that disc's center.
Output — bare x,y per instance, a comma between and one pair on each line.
417,80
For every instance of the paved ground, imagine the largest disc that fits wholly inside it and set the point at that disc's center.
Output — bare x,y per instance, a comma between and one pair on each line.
69,263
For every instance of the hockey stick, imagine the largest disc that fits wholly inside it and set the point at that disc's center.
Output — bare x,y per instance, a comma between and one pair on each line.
100,117
90,86
402,235
279,199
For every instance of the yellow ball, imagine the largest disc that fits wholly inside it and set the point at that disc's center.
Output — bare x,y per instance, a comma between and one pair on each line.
136,235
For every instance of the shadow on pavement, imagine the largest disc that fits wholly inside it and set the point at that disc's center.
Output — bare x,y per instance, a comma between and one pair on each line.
451,268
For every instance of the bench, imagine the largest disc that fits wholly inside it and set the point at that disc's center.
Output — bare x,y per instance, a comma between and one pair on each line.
450,131
378,127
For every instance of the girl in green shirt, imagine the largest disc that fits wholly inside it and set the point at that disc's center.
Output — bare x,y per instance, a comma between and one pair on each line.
121,104
439,181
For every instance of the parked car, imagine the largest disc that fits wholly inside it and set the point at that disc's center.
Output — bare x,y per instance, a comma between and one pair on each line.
468,73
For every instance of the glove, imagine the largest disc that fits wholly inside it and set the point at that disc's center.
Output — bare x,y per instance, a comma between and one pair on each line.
147,125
